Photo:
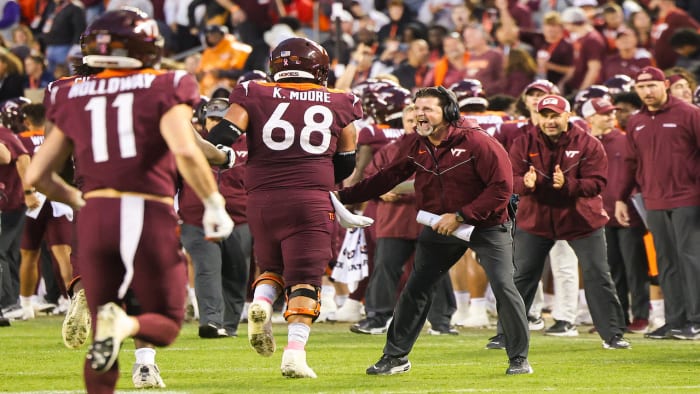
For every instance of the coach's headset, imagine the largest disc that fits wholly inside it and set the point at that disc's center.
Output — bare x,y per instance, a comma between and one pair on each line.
450,111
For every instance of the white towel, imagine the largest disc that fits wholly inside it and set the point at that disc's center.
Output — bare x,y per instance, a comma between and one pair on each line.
61,209
351,266
346,218
464,231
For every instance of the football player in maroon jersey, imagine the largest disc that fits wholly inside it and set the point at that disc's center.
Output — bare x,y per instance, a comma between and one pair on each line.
128,129
301,141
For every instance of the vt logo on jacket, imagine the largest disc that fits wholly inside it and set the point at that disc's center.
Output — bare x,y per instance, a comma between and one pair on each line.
571,153
456,152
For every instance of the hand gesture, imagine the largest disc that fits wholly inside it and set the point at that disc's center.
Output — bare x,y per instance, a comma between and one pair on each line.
76,200
216,222
558,178
530,178
622,213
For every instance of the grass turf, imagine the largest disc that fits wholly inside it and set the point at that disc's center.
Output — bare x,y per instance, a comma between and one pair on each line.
35,360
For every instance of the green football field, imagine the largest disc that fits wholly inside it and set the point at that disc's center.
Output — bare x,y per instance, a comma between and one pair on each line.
35,360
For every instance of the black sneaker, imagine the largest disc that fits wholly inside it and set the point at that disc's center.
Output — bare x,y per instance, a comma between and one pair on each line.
518,366
663,332
371,325
562,328
390,365
497,342
535,323
617,342
689,332
212,330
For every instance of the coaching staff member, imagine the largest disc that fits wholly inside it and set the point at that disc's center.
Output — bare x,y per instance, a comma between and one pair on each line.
559,171
463,175
664,143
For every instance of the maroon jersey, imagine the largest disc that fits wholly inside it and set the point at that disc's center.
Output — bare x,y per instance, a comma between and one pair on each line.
393,219
11,193
293,133
376,136
508,132
113,120
615,144
615,64
31,140
661,34
587,48
560,52
488,120
231,186
68,171
50,90
487,68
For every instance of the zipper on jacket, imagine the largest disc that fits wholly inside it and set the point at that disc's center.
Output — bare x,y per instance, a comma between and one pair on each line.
437,172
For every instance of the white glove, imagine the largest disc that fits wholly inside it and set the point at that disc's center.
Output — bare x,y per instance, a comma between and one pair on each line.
230,156
346,218
216,221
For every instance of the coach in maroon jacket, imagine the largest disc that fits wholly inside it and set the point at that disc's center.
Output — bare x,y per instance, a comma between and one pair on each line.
664,141
559,171
462,174
625,244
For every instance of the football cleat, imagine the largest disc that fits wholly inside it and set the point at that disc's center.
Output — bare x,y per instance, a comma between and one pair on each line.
112,327
76,324
146,376
294,365
260,328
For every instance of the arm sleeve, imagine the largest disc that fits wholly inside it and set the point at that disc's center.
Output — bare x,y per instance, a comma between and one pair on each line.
395,172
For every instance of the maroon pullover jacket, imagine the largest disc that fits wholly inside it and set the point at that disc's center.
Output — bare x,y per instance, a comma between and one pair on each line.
468,172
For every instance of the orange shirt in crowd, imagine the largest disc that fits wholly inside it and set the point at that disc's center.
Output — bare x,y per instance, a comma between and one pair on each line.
228,54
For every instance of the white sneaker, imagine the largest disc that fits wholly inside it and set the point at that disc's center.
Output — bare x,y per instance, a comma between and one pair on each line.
21,313
328,309
477,316
146,376
350,312
460,315
76,324
654,322
260,328
294,365
112,327
478,320
62,307
41,306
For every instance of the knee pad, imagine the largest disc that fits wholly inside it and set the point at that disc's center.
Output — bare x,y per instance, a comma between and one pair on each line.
308,293
278,279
